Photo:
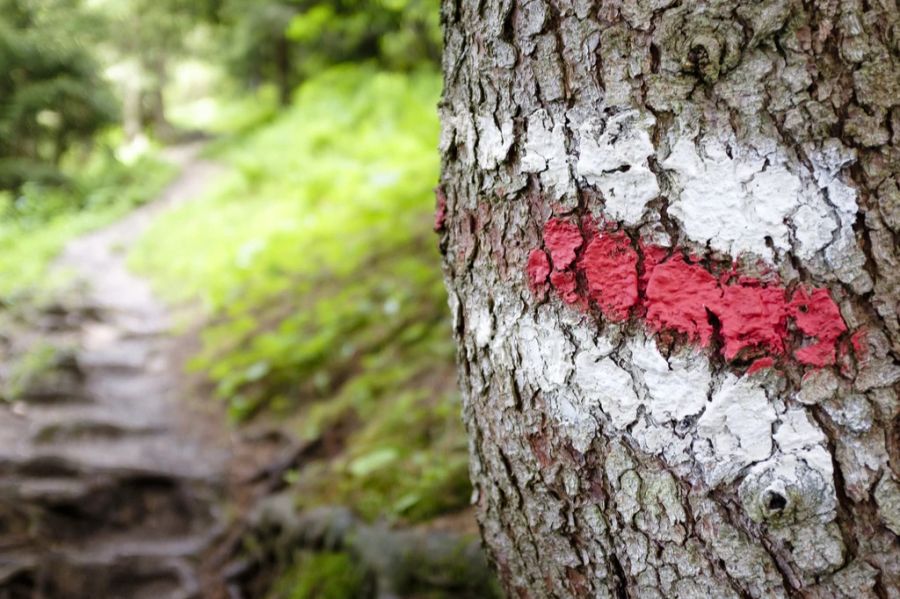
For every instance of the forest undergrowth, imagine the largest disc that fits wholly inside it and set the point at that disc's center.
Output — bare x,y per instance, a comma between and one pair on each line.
305,279
318,276
310,275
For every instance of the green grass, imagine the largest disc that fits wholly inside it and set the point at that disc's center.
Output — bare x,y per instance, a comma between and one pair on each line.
318,269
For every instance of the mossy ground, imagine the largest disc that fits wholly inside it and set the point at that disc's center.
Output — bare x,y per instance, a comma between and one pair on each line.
325,575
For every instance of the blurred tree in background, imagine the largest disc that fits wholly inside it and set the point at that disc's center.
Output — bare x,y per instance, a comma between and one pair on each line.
145,37
54,53
259,47
256,46
51,90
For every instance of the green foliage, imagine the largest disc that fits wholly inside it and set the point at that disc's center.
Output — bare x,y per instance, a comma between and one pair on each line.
152,30
406,460
325,575
256,48
230,113
399,33
317,263
287,41
50,93
348,170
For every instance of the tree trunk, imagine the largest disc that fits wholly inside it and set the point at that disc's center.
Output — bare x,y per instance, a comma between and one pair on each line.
132,122
154,104
283,67
670,242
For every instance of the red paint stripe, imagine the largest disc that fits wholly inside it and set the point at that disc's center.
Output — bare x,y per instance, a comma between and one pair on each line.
609,263
567,286
440,209
816,314
761,363
678,297
538,268
752,317
562,239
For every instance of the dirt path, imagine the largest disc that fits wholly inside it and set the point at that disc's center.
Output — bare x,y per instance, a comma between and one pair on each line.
110,485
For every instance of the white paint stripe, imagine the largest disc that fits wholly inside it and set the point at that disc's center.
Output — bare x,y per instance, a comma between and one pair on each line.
743,433
616,163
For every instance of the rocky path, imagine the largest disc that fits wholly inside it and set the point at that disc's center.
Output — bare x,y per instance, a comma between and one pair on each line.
111,483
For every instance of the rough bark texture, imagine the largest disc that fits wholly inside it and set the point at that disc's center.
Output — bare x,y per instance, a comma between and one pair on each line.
616,450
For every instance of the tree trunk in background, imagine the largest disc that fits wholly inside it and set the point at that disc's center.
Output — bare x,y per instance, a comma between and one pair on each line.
283,65
670,242
131,110
154,104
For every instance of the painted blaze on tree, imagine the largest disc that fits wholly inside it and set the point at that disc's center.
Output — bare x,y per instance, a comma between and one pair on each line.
670,240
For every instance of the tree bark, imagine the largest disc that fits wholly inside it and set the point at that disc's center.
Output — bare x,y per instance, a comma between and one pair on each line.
670,234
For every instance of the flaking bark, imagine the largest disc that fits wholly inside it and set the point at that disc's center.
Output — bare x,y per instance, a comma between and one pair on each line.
631,112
